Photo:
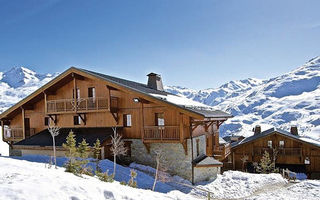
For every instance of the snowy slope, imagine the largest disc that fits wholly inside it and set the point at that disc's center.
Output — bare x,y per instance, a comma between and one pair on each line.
21,179
290,99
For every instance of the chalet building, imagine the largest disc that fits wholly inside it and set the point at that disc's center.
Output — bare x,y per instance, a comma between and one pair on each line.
148,118
292,151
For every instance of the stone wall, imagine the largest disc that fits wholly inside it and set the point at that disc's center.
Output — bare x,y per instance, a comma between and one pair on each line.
205,173
177,162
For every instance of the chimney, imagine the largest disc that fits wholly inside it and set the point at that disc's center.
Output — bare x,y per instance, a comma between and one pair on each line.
257,129
294,130
155,81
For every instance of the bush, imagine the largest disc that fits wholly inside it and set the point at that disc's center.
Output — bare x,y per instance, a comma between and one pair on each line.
105,177
132,182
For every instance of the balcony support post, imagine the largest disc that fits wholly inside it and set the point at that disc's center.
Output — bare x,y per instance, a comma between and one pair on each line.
45,102
2,129
142,121
23,124
75,92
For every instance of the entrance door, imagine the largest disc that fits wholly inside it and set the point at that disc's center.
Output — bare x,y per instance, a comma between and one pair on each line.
27,126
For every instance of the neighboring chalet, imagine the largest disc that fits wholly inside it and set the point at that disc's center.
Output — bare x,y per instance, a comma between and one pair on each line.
293,152
148,118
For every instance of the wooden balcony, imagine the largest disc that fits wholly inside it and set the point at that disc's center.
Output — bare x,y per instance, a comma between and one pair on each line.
161,133
281,151
222,152
16,134
81,105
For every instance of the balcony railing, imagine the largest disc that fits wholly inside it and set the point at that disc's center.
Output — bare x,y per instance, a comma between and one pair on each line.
279,151
81,104
161,133
17,133
223,152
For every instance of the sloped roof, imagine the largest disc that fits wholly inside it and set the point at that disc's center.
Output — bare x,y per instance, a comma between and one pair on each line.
44,138
192,106
204,160
270,132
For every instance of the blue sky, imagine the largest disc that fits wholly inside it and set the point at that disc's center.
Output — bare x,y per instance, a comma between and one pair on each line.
197,44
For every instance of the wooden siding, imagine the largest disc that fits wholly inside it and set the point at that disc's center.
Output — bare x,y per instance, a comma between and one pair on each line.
293,152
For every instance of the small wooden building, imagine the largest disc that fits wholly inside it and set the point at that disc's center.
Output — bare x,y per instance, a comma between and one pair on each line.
149,118
292,151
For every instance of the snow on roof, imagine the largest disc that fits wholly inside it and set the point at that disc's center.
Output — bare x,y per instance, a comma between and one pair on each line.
309,140
179,100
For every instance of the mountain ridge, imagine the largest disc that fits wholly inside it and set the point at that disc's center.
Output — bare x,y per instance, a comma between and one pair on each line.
289,99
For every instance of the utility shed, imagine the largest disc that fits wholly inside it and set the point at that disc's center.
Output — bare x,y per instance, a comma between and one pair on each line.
292,151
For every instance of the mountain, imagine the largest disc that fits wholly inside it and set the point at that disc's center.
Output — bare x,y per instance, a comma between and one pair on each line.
290,99
17,83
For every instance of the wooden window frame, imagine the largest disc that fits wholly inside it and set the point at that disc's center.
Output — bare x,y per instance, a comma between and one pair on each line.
270,142
281,145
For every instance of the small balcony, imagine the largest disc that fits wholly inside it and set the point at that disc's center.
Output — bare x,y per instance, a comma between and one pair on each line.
222,152
16,134
161,133
81,105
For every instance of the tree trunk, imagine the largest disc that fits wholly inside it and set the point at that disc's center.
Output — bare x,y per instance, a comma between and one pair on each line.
156,176
114,165
54,152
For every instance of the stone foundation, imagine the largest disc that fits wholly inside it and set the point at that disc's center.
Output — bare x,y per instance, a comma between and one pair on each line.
177,162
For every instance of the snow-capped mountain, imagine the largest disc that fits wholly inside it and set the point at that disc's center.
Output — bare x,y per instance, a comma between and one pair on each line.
17,83
283,101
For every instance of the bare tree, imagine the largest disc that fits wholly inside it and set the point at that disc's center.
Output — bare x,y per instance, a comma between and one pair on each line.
244,159
118,148
54,131
160,168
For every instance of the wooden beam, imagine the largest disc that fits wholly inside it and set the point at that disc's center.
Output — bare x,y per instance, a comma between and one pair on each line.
75,92
142,121
83,118
109,98
54,119
2,129
185,147
45,102
181,128
23,124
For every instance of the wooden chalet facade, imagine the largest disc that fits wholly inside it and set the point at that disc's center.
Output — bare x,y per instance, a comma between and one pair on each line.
89,103
292,151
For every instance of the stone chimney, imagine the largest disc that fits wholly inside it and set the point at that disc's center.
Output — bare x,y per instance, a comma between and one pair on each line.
257,129
155,81
294,130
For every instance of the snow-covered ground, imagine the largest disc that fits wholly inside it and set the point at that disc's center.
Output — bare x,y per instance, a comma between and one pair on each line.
22,179
4,147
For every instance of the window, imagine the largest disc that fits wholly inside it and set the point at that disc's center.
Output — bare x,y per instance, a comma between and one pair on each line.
198,147
127,120
159,119
78,93
270,143
47,121
76,120
91,92
281,143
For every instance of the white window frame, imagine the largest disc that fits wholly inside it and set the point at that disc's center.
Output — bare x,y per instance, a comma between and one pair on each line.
128,120
281,143
270,143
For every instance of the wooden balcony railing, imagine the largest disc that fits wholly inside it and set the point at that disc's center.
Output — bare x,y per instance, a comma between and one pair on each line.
223,152
81,104
161,133
280,151
17,133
